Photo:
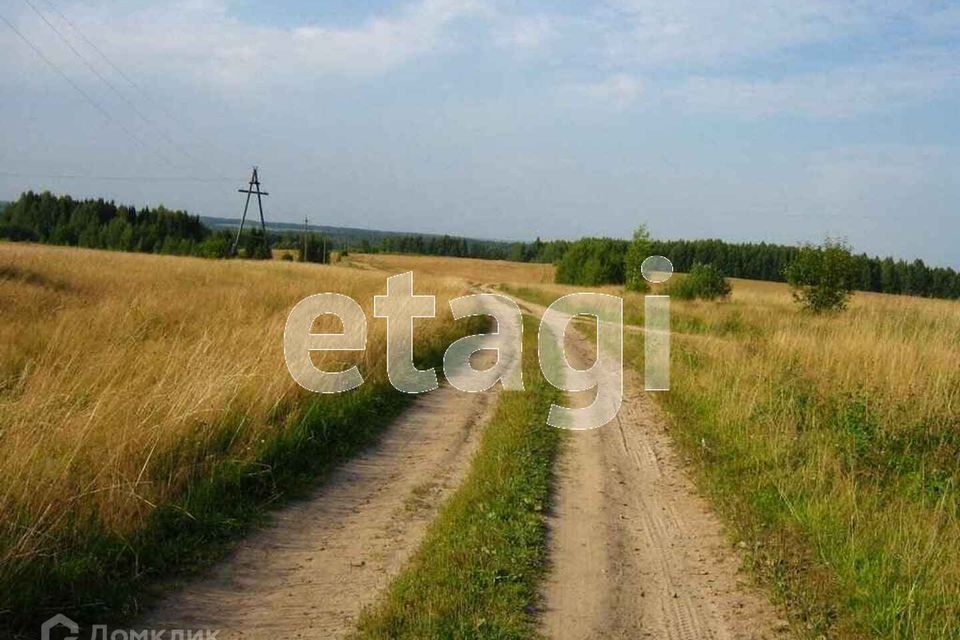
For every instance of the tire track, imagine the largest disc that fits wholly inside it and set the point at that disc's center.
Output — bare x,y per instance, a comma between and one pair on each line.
635,552
324,559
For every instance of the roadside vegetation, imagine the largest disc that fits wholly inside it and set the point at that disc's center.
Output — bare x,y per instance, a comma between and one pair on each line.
830,446
477,572
147,418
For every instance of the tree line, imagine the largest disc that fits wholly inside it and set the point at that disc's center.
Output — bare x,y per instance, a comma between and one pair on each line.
461,247
594,261
101,224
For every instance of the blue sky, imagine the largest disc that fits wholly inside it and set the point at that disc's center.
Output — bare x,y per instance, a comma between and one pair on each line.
783,121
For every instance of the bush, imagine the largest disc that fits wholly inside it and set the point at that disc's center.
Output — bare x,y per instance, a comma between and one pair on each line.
315,249
592,261
704,281
822,276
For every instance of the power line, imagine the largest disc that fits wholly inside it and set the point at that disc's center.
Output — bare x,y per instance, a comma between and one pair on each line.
158,105
150,122
96,105
77,176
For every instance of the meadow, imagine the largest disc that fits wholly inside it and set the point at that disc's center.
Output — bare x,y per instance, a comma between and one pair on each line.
147,420
147,417
473,270
830,444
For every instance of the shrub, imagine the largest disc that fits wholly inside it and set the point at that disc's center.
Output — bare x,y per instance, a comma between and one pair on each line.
822,276
704,281
592,261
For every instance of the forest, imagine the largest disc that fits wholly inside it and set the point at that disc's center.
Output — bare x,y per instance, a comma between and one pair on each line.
592,261
101,224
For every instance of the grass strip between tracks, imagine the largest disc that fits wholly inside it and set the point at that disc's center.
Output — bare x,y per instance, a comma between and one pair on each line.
478,571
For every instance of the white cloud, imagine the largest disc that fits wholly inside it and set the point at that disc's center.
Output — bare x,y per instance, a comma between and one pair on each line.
382,43
199,38
619,90
718,33
840,92
526,32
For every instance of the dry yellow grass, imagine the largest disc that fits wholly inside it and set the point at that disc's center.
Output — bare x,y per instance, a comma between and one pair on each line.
471,269
109,362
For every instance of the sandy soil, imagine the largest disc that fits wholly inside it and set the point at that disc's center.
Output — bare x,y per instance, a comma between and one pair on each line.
635,552
324,559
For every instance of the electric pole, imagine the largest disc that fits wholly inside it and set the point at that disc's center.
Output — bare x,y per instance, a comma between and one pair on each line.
252,188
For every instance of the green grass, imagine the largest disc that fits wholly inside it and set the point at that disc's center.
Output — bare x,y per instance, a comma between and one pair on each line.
477,572
848,507
830,447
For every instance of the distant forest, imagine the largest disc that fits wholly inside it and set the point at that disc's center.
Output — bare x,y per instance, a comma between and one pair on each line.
601,260
103,224
100,224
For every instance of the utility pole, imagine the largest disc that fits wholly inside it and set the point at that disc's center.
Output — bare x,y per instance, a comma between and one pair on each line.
303,256
252,188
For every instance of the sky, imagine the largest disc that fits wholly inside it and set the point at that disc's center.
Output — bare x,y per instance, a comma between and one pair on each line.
778,121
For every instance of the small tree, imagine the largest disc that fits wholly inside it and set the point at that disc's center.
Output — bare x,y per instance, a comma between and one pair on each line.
822,276
255,246
637,252
313,249
704,281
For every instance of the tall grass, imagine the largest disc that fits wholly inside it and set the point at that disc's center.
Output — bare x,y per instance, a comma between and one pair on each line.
830,444
134,388
834,445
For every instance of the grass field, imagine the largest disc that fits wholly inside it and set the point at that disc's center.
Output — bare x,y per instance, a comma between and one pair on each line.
830,444
470,269
147,417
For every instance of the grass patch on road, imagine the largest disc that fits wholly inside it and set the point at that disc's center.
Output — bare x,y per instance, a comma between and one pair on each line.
477,573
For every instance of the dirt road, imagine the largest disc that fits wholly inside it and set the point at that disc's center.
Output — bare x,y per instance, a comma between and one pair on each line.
634,551
325,558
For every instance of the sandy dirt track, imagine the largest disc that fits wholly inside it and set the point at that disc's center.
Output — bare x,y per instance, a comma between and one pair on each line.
635,552
324,559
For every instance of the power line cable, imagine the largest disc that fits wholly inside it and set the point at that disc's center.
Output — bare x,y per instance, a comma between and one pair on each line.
96,105
150,122
77,176
120,72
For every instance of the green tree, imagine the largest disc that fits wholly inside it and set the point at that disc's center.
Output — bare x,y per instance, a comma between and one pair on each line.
822,276
313,249
637,251
592,261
